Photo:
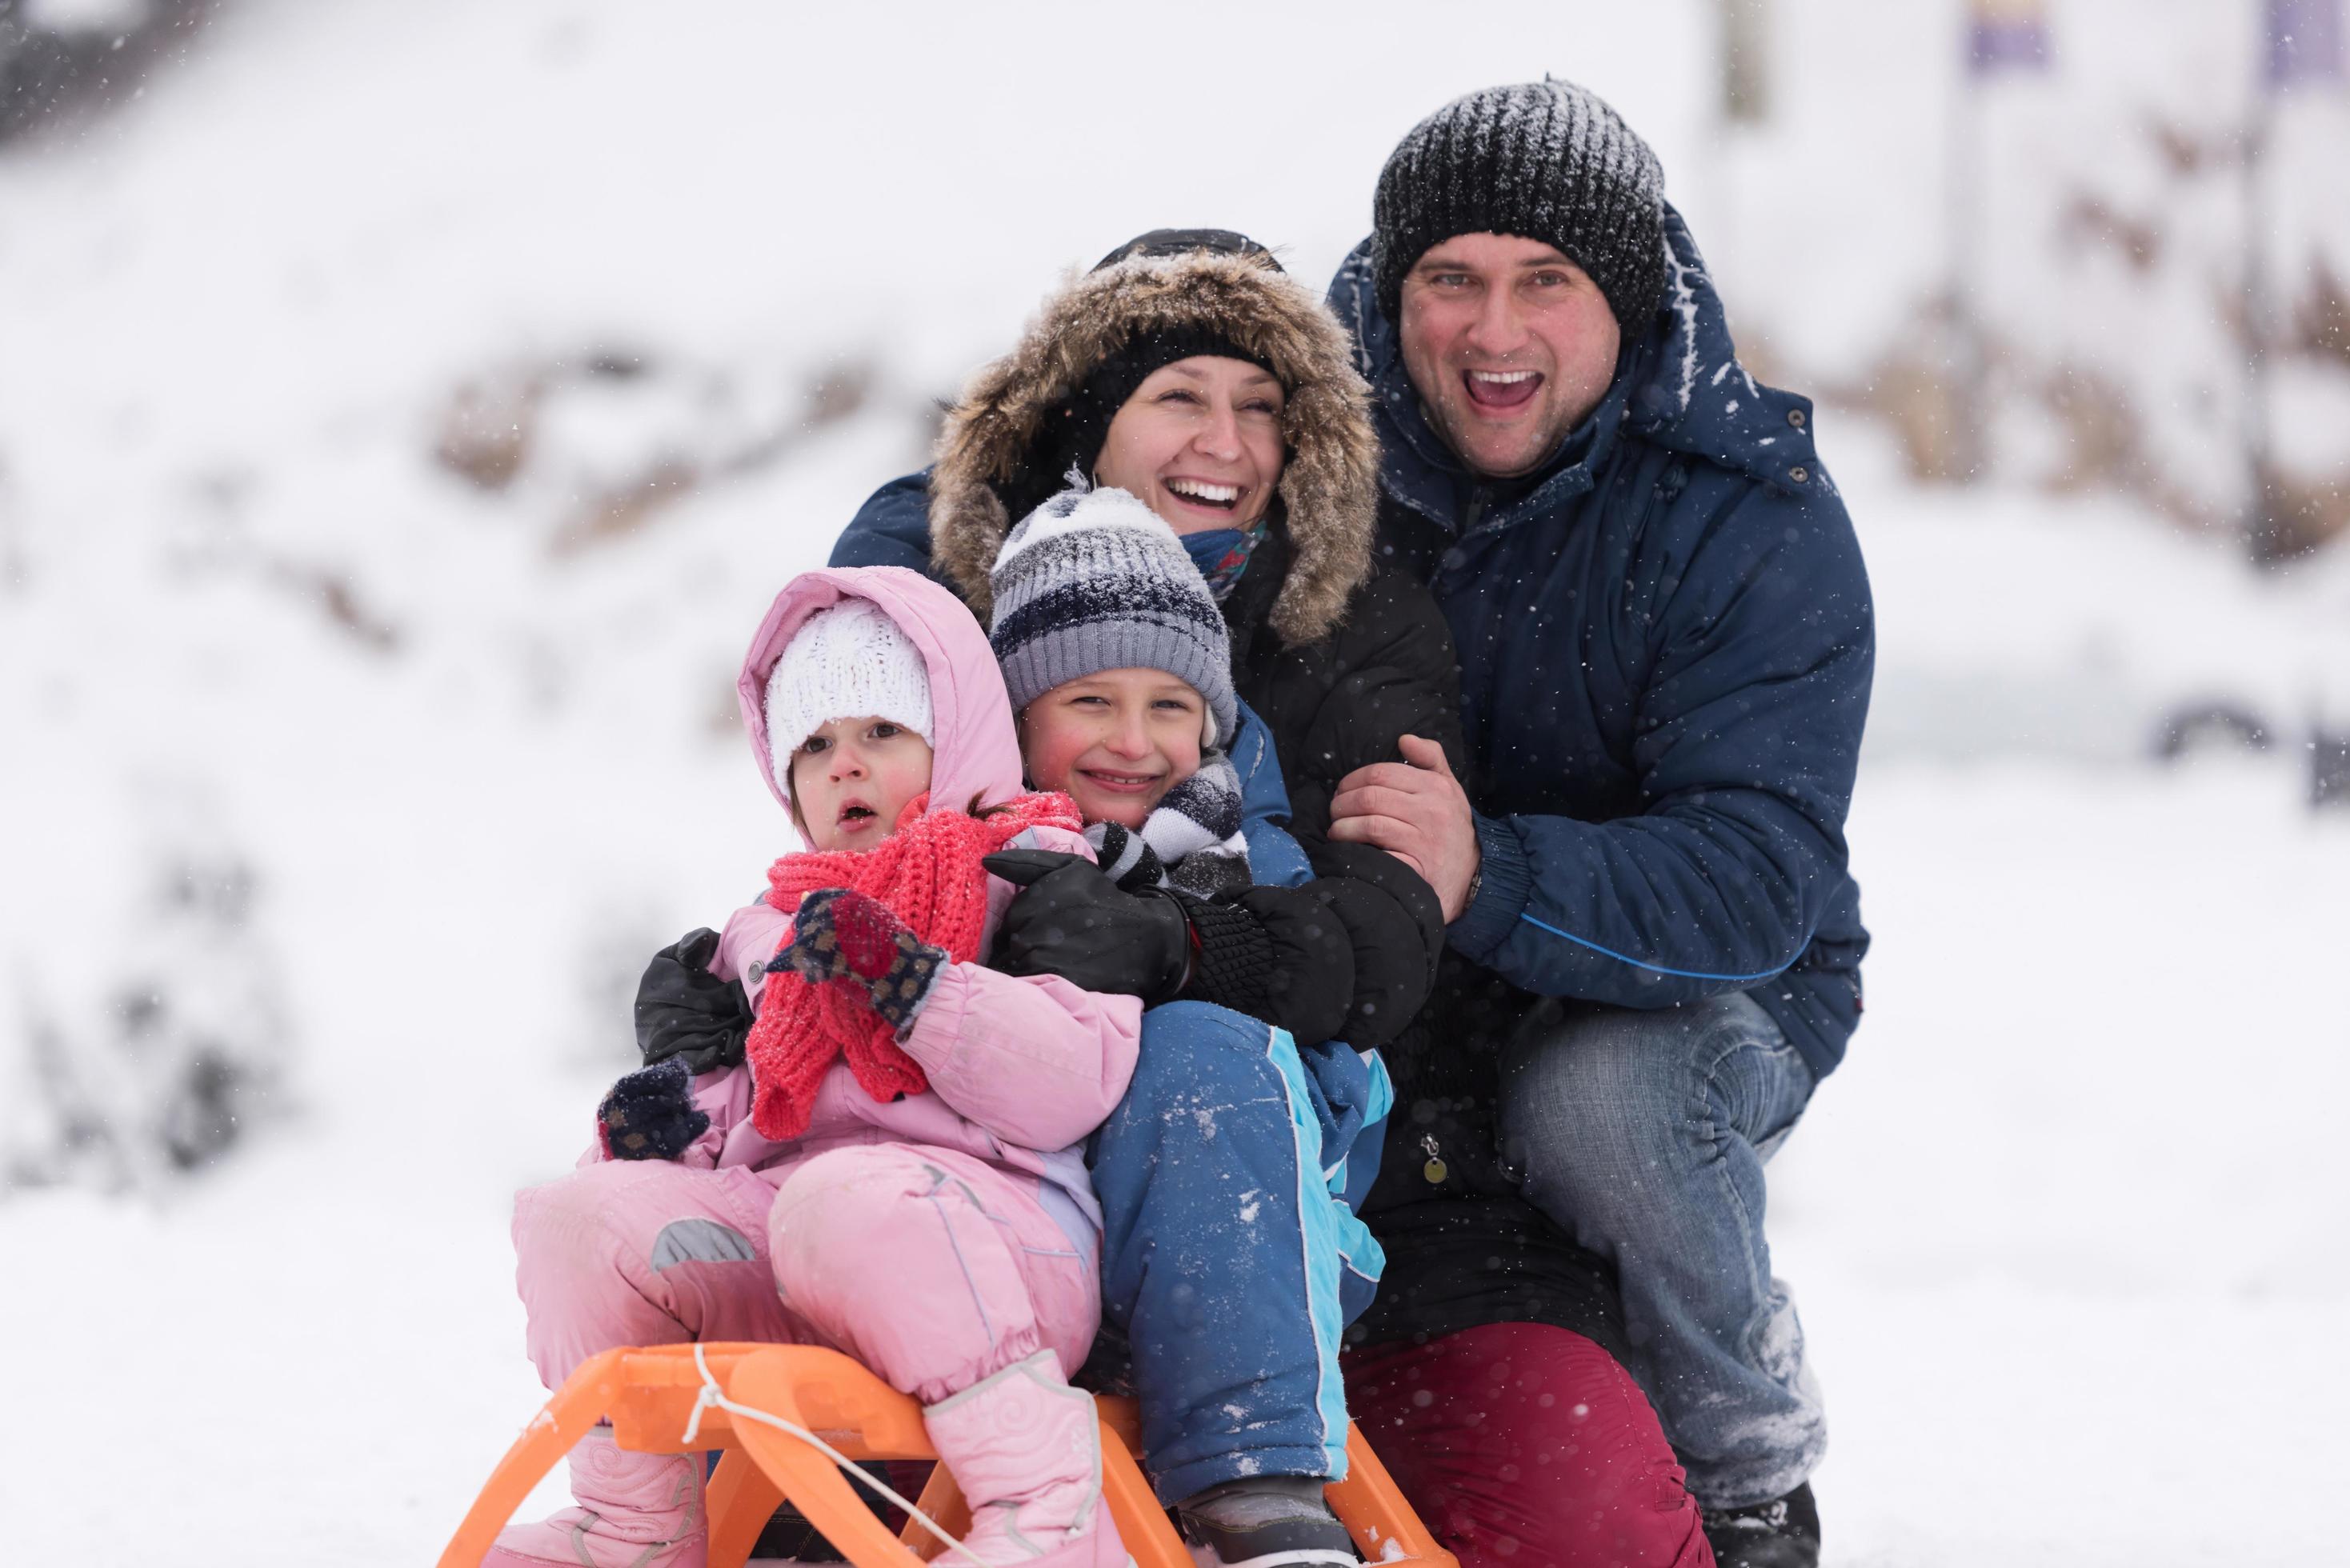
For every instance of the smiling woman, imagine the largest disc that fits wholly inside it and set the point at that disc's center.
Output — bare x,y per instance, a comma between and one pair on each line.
1199,442
1188,369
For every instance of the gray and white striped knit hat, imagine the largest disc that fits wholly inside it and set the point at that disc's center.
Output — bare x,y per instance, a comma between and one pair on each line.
1095,581
1545,161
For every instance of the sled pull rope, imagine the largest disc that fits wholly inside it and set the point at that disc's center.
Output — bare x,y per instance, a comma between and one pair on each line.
714,1395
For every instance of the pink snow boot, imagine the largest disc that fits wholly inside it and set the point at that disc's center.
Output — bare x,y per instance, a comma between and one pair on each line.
1026,1448
636,1511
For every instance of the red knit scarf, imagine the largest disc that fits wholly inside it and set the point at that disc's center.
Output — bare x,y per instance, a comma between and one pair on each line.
928,873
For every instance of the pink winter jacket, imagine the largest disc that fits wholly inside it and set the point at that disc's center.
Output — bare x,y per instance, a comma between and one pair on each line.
1021,1069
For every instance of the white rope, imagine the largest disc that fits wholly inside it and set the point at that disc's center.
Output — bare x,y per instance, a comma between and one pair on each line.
714,1395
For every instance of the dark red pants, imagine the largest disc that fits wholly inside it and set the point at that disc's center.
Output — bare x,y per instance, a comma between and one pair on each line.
1523,1446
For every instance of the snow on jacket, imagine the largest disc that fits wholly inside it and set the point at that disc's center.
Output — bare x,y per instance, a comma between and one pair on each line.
1666,643
1021,1069
1337,656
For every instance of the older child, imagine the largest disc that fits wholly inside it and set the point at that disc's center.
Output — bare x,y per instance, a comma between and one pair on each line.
1232,1260
891,1173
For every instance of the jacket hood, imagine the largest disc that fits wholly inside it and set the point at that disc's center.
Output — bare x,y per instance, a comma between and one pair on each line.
1679,385
976,753
1330,484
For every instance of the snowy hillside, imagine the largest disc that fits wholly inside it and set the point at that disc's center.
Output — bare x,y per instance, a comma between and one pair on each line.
406,410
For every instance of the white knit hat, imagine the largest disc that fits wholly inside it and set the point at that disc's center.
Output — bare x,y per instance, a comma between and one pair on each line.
847,661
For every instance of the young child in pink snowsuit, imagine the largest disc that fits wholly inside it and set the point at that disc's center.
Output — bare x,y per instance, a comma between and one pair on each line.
948,1237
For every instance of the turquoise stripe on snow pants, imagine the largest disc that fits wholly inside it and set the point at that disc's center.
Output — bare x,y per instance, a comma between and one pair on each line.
1230,1263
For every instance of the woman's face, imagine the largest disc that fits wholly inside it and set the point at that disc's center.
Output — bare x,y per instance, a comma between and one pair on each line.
1199,443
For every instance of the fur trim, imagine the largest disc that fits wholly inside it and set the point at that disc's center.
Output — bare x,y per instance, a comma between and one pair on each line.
1329,486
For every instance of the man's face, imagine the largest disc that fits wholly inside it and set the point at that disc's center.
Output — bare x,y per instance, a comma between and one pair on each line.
1510,346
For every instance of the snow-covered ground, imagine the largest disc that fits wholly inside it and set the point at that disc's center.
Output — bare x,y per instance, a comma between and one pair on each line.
2066,1230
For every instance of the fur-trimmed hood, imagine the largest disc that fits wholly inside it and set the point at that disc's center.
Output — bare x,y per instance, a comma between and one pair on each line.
975,753
1329,485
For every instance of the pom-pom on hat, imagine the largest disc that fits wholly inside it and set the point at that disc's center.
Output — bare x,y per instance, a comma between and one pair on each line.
850,662
1095,581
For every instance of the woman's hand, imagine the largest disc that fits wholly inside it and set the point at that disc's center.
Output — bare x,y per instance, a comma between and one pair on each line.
1069,920
650,1113
686,1011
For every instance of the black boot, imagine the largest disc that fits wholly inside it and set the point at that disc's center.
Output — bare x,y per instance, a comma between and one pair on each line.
1266,1522
1782,1533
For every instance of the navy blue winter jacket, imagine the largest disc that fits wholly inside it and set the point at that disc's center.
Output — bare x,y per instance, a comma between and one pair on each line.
1666,643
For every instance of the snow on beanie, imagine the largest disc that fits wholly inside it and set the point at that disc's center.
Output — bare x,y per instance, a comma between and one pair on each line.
847,661
1095,581
1545,161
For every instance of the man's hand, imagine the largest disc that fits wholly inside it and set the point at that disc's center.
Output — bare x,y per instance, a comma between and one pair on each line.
1416,811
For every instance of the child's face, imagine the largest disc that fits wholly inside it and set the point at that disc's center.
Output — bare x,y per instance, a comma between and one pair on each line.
1116,741
853,776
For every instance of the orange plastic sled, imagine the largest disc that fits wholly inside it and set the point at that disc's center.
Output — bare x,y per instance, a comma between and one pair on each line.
653,1395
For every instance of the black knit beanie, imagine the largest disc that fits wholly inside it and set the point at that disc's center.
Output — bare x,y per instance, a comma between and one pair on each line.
1545,161
1180,241
1074,431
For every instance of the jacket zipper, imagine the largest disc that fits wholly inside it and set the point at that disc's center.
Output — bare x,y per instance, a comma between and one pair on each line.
1478,498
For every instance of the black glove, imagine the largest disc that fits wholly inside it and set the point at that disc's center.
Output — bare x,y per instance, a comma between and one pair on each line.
1071,920
650,1113
686,1011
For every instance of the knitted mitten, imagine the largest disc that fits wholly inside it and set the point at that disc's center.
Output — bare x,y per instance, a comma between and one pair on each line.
838,933
650,1113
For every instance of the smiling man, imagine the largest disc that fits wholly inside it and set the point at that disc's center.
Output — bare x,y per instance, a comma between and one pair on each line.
1513,345
1666,642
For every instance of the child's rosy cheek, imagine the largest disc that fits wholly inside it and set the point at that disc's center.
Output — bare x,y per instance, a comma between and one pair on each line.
1043,767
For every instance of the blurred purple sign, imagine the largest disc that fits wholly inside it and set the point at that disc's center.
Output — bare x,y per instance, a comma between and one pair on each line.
2304,42
2007,35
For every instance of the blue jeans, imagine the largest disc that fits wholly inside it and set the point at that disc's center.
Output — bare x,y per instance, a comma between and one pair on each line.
1230,1261
1644,1136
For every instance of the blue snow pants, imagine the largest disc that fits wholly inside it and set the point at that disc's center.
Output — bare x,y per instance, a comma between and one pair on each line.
1231,1258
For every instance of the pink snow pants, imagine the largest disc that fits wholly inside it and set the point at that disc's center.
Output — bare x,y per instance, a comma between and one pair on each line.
932,1267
